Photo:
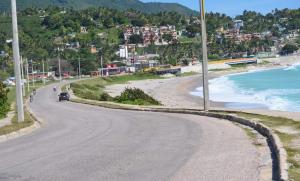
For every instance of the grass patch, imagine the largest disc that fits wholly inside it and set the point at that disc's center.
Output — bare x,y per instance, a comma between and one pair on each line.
93,89
11,95
186,74
288,139
15,126
218,70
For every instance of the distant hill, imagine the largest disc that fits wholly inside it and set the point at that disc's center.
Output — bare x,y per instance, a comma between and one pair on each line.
114,4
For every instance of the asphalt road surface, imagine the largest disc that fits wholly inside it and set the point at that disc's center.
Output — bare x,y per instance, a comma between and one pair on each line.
86,143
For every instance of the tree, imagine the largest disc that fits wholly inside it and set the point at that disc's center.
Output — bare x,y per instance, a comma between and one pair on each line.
289,49
137,22
167,37
298,41
136,39
108,22
4,106
193,30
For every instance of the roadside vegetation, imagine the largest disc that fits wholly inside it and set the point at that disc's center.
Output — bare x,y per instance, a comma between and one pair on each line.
93,89
15,126
136,97
288,131
4,105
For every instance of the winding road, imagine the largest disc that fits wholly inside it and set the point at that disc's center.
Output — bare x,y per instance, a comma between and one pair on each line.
86,143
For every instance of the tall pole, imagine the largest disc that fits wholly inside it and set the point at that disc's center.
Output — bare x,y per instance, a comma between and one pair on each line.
16,55
79,69
101,59
27,72
205,58
32,74
22,77
59,69
44,80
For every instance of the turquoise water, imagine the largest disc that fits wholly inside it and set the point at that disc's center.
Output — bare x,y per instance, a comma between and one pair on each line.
276,89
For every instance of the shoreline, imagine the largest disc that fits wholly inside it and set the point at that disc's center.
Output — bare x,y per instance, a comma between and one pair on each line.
175,92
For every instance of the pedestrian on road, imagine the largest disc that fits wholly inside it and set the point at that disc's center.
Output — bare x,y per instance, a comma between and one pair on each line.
31,97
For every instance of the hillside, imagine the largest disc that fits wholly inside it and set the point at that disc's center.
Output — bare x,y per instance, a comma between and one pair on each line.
114,4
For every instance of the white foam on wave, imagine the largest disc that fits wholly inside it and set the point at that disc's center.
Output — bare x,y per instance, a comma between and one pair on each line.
293,67
223,89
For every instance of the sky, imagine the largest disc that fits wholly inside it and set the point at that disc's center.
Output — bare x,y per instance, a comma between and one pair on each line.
235,7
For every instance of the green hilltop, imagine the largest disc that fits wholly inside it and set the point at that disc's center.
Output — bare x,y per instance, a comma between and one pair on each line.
113,4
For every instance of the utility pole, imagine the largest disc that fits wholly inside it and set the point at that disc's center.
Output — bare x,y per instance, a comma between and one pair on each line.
79,69
16,55
44,80
27,72
59,64
32,74
206,102
59,69
22,77
101,59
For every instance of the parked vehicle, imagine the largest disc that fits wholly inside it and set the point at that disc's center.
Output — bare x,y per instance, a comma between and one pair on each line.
64,96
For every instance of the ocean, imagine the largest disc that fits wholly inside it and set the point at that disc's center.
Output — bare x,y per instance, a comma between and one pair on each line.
274,89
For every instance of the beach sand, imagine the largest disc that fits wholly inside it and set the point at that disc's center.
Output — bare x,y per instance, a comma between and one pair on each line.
175,92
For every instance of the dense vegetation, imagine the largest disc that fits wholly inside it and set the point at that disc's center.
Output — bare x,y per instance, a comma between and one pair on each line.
116,4
289,49
136,97
42,31
4,106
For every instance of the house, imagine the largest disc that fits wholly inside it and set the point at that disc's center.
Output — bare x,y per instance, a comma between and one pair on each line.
151,34
123,51
83,29
93,49
126,51
238,24
72,45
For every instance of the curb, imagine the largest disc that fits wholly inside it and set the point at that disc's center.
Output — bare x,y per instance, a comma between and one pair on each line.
275,143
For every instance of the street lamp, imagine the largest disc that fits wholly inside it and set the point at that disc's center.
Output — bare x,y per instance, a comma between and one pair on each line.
17,67
206,102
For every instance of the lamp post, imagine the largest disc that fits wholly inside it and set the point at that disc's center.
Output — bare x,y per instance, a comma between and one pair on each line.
17,67
206,102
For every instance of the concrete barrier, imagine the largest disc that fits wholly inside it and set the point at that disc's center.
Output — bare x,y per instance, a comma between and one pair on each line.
276,145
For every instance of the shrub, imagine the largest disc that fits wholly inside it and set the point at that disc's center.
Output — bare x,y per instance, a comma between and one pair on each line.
106,97
136,96
4,106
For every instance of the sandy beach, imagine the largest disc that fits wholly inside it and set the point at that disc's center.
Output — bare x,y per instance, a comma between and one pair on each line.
175,91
